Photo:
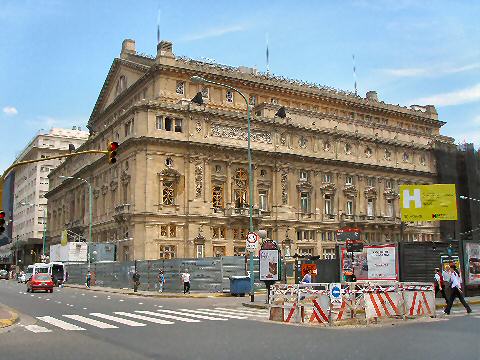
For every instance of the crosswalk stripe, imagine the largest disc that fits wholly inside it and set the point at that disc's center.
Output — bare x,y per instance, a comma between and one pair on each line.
37,329
226,312
118,319
92,322
166,316
209,312
145,318
59,323
241,312
195,316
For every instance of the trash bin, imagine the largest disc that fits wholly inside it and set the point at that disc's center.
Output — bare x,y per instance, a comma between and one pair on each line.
239,285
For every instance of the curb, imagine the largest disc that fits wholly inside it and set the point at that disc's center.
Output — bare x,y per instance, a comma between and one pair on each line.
9,322
255,306
458,304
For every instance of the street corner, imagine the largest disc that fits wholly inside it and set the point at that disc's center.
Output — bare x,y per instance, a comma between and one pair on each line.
8,316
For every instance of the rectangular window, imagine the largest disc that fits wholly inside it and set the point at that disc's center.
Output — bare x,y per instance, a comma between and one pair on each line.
328,254
371,181
388,184
215,231
218,251
306,251
200,251
390,208
159,122
328,205
303,175
178,125
168,193
173,231
262,200
370,207
229,96
348,180
305,202
167,252
240,198
222,233
238,251
180,89
349,207
217,197
168,124
327,178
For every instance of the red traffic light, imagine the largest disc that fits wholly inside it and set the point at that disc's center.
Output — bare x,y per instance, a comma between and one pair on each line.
2,215
112,152
2,221
113,146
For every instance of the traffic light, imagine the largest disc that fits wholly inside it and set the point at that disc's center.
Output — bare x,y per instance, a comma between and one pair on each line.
2,222
112,152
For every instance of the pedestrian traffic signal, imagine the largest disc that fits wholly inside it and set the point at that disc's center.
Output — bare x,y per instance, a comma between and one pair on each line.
112,152
2,222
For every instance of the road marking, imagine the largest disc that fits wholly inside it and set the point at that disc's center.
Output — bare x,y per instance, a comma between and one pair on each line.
242,312
59,323
166,316
121,300
195,316
83,294
47,299
224,313
145,318
118,319
140,303
207,312
71,305
84,308
32,295
92,322
94,296
37,329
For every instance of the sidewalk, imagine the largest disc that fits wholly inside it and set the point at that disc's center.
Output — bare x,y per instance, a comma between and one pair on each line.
440,303
7,316
153,294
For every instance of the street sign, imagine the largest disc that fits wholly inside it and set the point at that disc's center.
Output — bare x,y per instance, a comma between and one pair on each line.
252,241
335,290
306,267
354,246
348,234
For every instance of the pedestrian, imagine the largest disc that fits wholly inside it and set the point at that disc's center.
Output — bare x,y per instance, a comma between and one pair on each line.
456,288
161,280
440,284
136,281
307,279
88,279
186,281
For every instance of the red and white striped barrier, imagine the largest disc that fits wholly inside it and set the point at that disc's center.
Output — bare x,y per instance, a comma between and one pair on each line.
387,304
419,303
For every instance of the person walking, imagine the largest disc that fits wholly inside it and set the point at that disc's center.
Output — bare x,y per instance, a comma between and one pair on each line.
456,287
136,281
161,280
440,284
186,282
88,279
307,279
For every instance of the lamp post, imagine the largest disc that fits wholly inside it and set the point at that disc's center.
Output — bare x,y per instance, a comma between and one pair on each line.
89,212
44,235
201,80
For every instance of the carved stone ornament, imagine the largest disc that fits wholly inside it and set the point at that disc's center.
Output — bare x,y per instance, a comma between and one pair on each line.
326,146
405,157
283,139
304,186
370,192
328,188
113,185
422,160
302,142
96,193
284,182
104,189
169,174
368,152
348,148
198,180
198,126
390,194
238,133
125,178
388,155
350,190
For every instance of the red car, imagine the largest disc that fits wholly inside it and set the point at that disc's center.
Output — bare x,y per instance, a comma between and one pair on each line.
40,282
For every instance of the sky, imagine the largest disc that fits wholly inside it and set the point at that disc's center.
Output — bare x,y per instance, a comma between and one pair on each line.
55,55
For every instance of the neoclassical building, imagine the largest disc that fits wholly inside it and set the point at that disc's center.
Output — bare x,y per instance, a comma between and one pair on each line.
180,185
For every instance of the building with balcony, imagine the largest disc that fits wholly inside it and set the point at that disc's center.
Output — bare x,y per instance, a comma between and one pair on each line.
180,185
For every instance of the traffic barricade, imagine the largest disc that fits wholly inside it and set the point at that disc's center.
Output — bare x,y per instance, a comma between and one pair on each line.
419,299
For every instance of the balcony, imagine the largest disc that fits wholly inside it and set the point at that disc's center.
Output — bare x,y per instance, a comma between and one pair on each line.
122,213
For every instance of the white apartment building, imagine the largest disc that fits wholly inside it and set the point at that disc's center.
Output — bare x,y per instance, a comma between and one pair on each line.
31,183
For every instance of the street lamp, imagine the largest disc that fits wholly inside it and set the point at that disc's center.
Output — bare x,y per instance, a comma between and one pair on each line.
89,211
44,235
201,80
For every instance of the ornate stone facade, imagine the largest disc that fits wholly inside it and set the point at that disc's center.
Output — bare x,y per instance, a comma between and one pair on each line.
180,185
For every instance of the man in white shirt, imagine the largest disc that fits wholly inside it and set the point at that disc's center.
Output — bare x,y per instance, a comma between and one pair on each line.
186,282
456,284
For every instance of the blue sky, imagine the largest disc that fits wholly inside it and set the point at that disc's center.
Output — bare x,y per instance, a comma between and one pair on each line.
54,55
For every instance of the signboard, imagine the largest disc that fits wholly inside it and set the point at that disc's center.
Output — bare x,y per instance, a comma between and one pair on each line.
354,246
348,234
448,260
269,265
252,241
373,263
335,292
428,202
472,263
306,267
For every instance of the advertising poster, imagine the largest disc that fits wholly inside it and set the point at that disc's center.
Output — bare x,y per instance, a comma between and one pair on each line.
472,263
269,260
374,263
428,202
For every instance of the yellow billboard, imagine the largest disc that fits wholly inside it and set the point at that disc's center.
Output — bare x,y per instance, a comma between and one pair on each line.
428,202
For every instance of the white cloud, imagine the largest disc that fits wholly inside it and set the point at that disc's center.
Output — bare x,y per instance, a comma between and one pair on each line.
10,110
431,71
215,32
463,96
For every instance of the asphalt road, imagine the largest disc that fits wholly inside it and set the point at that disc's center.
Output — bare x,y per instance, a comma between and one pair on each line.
222,330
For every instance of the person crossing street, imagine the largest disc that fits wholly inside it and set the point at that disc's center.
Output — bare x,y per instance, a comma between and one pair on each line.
456,284
186,282
440,284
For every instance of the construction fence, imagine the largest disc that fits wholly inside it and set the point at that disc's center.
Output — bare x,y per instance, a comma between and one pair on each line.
359,302
206,274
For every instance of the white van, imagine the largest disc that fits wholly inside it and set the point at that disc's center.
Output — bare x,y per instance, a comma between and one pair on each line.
54,269
37,268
